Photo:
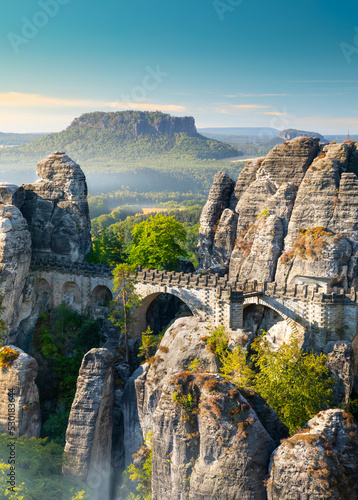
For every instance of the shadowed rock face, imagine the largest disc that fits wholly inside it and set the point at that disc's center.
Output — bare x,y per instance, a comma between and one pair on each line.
19,378
340,362
10,194
56,210
15,258
319,462
300,186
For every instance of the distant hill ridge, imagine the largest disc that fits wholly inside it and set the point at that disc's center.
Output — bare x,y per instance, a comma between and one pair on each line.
291,133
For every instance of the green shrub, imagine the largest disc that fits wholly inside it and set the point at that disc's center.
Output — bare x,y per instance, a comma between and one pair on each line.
140,472
61,338
293,382
38,472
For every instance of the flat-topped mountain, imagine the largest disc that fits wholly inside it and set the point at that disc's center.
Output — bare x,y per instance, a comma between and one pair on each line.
148,152
135,123
127,135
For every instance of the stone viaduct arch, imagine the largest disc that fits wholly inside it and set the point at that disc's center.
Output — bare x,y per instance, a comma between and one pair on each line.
317,313
149,294
270,317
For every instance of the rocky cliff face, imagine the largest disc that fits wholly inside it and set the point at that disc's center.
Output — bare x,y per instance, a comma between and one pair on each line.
56,210
212,445
89,431
19,396
321,461
15,258
136,123
293,213
215,255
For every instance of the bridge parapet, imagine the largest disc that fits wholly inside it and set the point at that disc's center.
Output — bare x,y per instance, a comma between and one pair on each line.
311,293
79,268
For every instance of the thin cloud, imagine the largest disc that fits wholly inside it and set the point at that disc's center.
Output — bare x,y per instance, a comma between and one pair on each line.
274,113
17,99
248,106
255,95
322,81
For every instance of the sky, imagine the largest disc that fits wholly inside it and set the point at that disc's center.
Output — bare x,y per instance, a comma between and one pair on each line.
228,63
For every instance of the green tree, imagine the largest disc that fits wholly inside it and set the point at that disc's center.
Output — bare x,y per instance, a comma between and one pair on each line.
61,338
126,302
234,367
293,382
148,344
156,243
107,246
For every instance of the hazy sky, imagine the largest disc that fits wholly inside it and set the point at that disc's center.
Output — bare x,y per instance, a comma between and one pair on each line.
230,63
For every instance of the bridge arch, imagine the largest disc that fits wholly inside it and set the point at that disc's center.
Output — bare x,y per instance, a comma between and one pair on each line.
260,314
101,296
148,296
71,295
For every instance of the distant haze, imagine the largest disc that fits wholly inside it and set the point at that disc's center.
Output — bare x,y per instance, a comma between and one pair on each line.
249,131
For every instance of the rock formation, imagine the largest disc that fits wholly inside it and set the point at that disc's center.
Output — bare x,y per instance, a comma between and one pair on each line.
56,210
295,215
321,461
19,396
341,366
213,445
218,201
89,431
10,194
15,258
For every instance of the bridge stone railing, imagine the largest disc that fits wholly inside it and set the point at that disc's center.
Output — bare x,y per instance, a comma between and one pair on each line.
323,309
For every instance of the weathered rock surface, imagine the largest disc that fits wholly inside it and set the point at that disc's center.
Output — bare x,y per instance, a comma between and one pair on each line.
340,361
300,186
212,446
224,239
56,210
10,194
267,416
319,462
257,250
19,393
89,431
219,199
15,258
133,438
217,450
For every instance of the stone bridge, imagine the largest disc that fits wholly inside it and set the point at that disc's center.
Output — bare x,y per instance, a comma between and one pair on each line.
318,313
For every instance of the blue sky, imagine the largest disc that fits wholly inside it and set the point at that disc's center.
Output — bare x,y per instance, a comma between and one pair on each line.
226,62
